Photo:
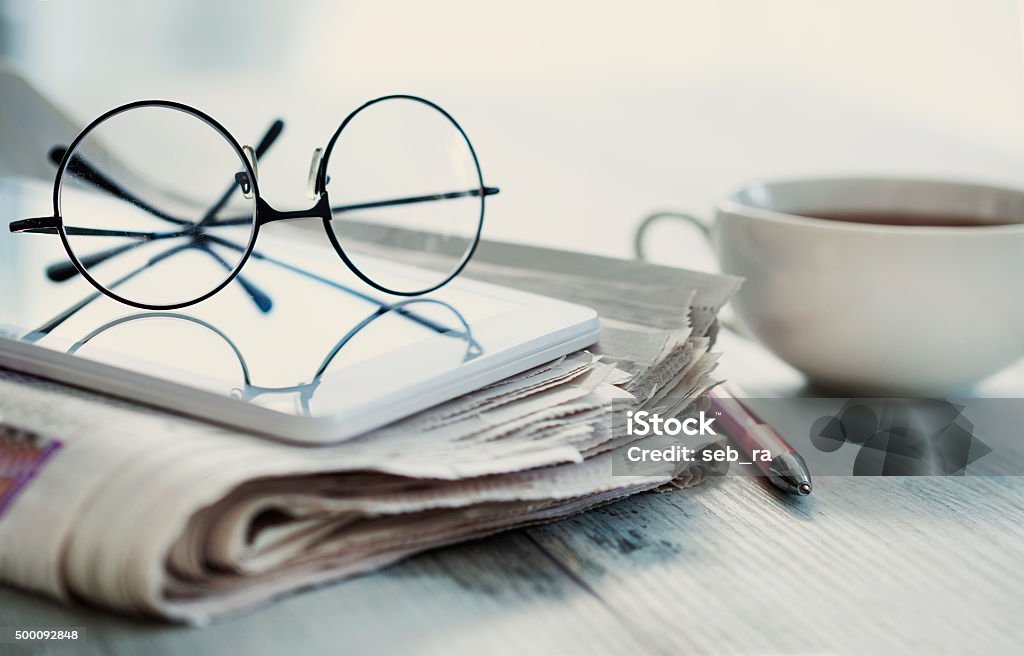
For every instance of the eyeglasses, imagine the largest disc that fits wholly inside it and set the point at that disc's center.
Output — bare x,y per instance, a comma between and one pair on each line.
159,207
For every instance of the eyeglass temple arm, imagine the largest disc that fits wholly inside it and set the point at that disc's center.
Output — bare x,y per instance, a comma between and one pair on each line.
261,299
258,296
65,270
48,225
390,202
44,225
409,200
62,271
52,324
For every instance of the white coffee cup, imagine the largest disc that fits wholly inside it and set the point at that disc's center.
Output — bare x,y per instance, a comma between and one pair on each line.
877,309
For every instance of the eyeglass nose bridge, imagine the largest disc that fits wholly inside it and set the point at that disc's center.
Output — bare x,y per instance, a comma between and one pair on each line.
267,214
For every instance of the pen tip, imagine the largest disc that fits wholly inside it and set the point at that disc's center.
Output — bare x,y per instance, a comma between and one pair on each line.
804,489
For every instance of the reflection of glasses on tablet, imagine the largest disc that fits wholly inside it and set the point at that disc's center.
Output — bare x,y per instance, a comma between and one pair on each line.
144,185
433,315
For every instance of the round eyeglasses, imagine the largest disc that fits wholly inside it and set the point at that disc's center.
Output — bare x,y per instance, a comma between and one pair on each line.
159,207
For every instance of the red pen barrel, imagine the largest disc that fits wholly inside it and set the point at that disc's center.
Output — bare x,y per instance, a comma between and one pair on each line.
781,464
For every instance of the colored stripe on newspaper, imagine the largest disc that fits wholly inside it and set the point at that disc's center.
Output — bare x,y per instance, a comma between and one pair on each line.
22,455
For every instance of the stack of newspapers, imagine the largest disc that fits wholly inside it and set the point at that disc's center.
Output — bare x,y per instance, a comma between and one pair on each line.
145,512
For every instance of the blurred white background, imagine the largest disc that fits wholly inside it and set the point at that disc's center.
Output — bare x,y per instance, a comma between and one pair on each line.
588,115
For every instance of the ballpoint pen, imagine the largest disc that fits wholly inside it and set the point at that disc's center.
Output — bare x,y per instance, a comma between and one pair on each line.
783,466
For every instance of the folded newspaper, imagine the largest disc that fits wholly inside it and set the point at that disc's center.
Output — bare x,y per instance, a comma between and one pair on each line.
145,512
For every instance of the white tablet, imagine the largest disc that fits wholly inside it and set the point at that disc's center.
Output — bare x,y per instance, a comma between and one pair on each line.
330,359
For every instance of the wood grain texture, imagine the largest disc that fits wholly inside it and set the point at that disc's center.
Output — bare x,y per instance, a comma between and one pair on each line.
879,565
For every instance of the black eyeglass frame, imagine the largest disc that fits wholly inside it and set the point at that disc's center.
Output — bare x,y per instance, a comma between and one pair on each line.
264,213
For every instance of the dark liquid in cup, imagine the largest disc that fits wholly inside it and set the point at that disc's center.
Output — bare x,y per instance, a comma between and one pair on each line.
909,219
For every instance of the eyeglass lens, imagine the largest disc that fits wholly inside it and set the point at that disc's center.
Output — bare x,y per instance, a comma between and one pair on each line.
145,197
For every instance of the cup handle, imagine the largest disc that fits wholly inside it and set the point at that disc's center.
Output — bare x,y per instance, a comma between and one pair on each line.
727,321
638,238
